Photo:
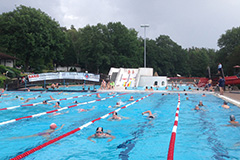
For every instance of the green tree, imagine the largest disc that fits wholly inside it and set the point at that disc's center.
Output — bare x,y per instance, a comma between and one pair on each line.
32,36
229,44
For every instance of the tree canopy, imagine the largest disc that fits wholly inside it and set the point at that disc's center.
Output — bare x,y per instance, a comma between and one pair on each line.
32,36
39,41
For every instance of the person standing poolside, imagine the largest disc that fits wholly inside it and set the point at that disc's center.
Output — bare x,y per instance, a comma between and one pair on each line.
233,122
219,68
45,133
225,105
150,115
221,84
100,134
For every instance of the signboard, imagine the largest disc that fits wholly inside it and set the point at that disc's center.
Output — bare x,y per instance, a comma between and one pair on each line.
64,75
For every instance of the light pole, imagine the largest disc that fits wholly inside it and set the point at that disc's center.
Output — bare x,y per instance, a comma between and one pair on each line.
145,51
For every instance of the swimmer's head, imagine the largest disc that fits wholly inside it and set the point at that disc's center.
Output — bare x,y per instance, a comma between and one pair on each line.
185,94
53,126
114,113
131,97
58,103
118,103
232,118
39,95
99,129
21,98
16,96
75,102
151,117
44,102
225,102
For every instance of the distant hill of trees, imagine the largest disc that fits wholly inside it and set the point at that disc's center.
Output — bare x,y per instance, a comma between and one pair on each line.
40,42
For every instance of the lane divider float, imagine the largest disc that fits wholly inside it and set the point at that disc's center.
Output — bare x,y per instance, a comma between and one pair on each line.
72,132
174,130
43,113
34,104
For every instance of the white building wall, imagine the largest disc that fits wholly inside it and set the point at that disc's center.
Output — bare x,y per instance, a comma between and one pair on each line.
149,81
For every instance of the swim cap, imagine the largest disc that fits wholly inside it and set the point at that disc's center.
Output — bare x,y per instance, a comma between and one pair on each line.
225,102
53,126
232,118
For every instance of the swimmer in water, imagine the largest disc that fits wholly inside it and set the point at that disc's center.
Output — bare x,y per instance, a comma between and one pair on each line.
57,105
31,99
115,116
225,105
45,133
86,110
233,122
116,106
112,93
100,134
131,98
98,96
150,115
200,103
204,95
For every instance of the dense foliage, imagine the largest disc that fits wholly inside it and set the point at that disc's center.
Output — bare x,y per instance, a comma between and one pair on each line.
39,41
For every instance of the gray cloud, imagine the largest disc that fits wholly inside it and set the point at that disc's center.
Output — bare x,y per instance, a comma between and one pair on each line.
187,22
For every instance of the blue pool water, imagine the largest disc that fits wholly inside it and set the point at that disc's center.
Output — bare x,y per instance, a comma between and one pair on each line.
200,134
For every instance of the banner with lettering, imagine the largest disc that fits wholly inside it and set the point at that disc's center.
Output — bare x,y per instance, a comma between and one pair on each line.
64,75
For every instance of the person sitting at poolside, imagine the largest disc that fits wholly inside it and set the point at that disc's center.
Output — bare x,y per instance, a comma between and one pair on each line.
100,134
86,110
150,115
233,122
225,105
57,105
115,116
98,96
146,89
131,98
45,133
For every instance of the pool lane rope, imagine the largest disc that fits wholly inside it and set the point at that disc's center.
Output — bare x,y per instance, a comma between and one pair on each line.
73,131
43,113
34,104
174,130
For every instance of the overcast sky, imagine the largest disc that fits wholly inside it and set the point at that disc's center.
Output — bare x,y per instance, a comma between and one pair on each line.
197,23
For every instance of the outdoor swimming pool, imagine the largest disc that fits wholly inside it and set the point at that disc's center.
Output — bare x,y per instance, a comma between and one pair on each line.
200,134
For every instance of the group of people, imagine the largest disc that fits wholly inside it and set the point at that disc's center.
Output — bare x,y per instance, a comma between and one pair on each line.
150,89
225,106
108,86
101,134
